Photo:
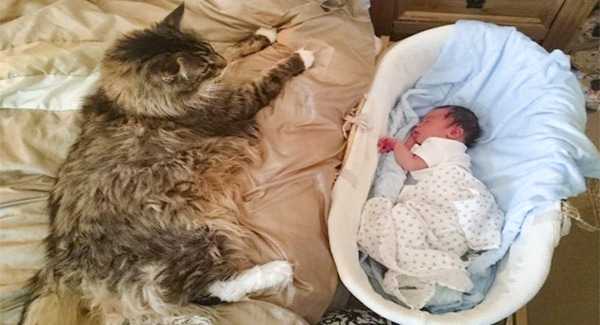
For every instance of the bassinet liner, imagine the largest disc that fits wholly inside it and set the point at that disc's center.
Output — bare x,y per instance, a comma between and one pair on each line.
520,273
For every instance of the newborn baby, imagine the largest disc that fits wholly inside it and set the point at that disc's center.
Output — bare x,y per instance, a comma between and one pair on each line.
442,215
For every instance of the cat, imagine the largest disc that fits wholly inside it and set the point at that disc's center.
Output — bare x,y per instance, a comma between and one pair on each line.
144,216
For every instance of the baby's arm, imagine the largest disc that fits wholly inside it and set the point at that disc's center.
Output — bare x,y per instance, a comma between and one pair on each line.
404,157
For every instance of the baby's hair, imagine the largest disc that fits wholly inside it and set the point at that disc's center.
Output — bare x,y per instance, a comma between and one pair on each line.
466,119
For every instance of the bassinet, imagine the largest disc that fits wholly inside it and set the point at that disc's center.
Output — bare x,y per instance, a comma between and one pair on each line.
520,273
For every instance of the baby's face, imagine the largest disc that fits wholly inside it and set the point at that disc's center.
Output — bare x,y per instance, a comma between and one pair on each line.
434,124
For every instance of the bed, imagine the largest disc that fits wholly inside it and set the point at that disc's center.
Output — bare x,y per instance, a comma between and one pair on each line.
49,57
533,154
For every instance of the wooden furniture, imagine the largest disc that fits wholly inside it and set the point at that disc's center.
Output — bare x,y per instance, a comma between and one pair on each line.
551,23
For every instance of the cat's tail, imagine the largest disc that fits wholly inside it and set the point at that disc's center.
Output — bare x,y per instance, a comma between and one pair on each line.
48,302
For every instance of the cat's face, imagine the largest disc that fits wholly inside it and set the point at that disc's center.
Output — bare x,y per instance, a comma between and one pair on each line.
154,71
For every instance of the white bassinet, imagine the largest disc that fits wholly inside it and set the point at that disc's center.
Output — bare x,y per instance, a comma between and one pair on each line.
521,272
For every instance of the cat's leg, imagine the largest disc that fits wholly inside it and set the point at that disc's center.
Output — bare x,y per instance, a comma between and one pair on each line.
252,96
272,275
262,38
308,58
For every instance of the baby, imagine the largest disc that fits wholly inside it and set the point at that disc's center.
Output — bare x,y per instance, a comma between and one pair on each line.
442,215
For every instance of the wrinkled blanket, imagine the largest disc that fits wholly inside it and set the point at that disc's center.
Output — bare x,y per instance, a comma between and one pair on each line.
49,54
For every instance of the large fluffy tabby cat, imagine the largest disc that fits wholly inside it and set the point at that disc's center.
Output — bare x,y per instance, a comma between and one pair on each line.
144,215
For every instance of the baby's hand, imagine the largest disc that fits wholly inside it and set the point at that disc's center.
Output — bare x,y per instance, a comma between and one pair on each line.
386,144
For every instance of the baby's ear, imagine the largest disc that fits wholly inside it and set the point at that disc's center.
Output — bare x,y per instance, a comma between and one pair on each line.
456,132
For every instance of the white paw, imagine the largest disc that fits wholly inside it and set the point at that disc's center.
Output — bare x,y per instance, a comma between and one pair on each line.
277,274
270,33
307,57
272,275
228,291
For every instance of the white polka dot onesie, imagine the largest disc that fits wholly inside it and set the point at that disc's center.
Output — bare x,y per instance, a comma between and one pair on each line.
421,238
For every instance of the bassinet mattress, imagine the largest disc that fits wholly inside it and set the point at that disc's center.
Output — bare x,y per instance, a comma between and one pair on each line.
441,66
49,58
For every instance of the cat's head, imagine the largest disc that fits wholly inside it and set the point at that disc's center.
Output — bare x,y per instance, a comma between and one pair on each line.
157,70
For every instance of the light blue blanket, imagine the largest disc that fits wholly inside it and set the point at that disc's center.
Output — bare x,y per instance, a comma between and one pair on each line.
533,152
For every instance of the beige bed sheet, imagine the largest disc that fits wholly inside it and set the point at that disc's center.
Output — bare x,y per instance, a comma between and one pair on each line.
49,54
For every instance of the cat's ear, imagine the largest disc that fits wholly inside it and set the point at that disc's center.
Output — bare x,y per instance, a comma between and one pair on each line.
171,69
175,68
174,18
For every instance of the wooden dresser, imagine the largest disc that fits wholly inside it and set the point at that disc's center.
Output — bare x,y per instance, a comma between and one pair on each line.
551,23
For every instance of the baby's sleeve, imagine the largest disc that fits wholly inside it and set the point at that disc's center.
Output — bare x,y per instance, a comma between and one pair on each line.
432,152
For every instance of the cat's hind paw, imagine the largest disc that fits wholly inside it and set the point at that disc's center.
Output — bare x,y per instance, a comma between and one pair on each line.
272,275
270,33
277,274
307,57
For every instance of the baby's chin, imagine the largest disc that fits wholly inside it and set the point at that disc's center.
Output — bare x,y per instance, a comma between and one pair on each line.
417,138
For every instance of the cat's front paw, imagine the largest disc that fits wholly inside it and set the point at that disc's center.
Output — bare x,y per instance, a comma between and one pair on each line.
307,57
270,33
